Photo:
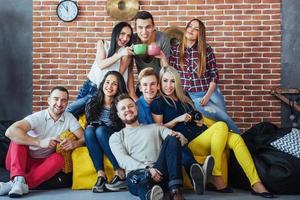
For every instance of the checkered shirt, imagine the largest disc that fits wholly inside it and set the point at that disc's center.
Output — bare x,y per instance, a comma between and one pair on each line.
191,82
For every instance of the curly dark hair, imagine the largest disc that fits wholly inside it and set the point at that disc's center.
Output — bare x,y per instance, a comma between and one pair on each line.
94,106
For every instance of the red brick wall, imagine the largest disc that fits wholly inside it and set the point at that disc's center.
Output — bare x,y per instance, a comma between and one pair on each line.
245,35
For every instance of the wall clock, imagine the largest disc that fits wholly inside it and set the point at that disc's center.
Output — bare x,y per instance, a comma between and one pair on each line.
67,10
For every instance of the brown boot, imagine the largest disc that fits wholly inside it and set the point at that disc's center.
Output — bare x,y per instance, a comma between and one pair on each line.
176,194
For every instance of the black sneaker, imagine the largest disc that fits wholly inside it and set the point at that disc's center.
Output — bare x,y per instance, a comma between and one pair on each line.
99,186
207,167
116,184
198,178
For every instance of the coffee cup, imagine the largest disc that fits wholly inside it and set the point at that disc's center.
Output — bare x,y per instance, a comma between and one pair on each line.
139,49
153,50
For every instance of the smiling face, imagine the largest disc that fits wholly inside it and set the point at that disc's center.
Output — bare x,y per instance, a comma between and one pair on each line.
149,87
124,36
168,84
58,102
144,29
192,31
110,86
127,111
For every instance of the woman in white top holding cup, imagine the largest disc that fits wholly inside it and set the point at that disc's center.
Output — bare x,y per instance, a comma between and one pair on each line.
111,55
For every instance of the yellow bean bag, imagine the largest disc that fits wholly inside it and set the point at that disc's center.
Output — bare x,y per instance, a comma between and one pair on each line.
84,174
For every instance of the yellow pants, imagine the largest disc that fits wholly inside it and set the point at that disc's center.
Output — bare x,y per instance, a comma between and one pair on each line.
214,140
236,143
211,142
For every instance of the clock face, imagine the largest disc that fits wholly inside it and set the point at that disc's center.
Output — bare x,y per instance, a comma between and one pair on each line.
67,10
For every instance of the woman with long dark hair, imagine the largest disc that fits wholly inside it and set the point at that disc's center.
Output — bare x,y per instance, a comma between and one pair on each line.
102,121
175,110
111,55
196,64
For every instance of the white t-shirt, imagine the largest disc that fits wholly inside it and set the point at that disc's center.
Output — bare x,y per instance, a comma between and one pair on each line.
43,126
96,74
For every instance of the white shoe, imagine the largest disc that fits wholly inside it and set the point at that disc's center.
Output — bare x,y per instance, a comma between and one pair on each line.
198,178
5,187
19,188
156,193
208,166
116,184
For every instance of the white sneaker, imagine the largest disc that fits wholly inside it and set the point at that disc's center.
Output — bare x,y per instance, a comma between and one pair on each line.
19,188
156,193
198,177
116,184
208,166
5,187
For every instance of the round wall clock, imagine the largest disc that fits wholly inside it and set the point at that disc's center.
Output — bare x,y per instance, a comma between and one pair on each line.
67,10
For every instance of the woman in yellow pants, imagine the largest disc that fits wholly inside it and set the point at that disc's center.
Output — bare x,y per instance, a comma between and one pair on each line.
176,111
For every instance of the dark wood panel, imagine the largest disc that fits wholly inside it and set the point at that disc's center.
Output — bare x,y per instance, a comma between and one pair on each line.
15,59
290,52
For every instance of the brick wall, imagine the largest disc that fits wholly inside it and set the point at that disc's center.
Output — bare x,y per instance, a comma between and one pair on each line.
245,35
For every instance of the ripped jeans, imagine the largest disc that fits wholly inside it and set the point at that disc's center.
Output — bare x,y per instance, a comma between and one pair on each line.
215,108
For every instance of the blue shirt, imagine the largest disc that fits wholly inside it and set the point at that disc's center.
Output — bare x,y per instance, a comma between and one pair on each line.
160,106
144,112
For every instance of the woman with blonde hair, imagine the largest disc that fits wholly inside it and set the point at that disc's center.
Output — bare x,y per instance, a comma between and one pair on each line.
175,110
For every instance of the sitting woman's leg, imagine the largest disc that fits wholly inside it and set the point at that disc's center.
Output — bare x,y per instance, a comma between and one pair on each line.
96,154
215,108
212,141
94,148
244,158
103,133
85,93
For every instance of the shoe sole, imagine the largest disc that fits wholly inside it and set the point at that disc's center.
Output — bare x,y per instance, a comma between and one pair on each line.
197,176
95,190
209,165
115,189
14,195
156,193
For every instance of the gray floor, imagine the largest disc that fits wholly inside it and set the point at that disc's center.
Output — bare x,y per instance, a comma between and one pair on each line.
68,194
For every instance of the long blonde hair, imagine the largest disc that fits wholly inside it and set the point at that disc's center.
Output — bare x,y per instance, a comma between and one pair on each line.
201,42
179,93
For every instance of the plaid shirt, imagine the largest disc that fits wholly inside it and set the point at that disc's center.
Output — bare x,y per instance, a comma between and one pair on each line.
191,82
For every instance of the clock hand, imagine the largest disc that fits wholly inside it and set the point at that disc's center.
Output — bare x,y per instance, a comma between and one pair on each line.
66,8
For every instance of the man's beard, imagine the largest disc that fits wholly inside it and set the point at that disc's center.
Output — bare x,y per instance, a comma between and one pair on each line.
130,121
56,112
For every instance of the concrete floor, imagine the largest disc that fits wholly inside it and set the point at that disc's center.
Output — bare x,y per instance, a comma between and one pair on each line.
68,194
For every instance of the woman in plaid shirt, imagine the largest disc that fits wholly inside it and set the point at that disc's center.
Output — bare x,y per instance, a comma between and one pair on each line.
196,64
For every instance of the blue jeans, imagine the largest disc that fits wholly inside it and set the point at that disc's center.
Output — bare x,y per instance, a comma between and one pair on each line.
86,92
187,159
97,142
169,163
215,108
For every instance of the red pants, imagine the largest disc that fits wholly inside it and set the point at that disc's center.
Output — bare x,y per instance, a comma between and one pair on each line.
35,171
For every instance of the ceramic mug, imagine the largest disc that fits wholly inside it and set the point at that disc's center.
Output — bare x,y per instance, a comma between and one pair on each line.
153,50
139,49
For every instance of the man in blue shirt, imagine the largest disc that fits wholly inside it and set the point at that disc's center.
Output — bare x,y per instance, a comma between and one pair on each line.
148,85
